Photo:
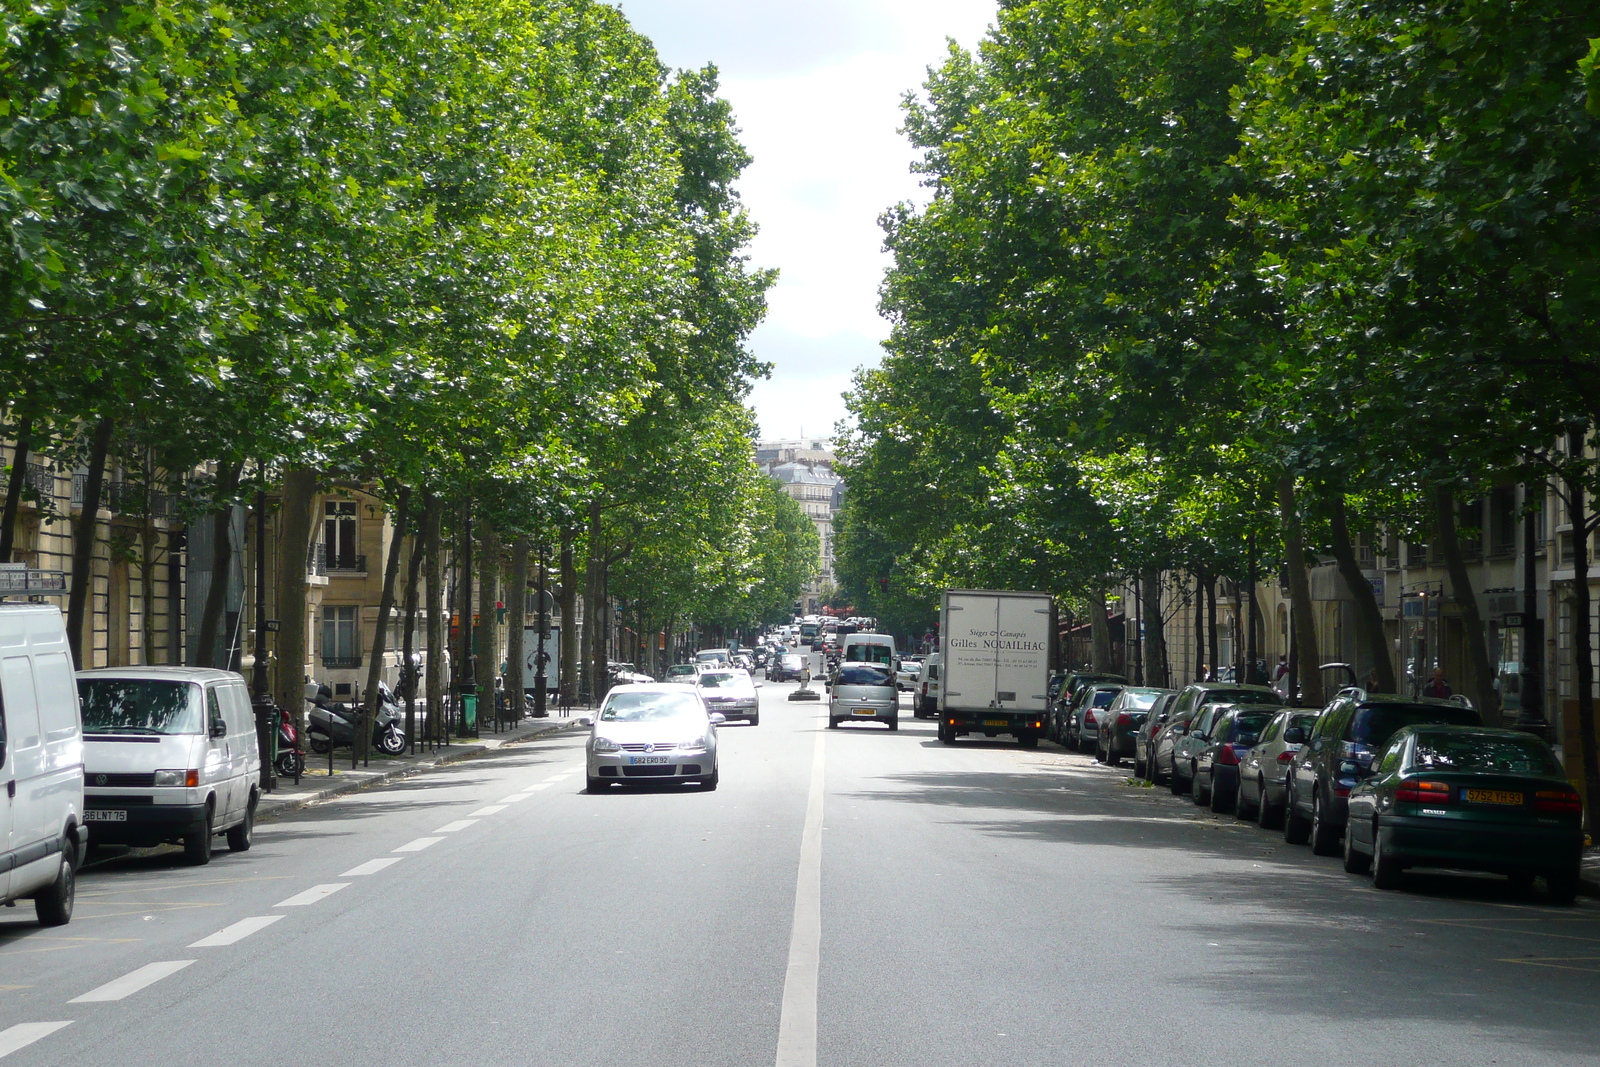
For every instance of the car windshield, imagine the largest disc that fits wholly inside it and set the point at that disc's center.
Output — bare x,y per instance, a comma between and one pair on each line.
650,707
1247,728
1485,754
794,662
863,653
1376,723
862,674
1241,696
1139,699
719,680
139,706
1103,697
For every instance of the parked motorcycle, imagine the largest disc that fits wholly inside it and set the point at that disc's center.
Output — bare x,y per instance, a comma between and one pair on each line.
331,725
291,761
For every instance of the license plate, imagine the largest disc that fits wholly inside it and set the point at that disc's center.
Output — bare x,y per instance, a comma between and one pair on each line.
995,722
105,816
862,711
1492,796
636,760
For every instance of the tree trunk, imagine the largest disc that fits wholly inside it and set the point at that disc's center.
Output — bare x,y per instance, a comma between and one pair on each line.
438,611
1100,631
289,670
1211,626
211,650
1155,637
380,628
1305,630
1199,626
590,691
86,529
487,644
465,676
516,620
569,620
408,675
1369,617
1583,641
14,484
1252,653
1480,682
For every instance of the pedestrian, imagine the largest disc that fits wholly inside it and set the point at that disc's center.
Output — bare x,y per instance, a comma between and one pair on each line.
1372,680
1438,687
1280,677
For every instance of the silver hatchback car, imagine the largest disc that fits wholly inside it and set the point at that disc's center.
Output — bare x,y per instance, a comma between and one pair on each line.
864,692
650,732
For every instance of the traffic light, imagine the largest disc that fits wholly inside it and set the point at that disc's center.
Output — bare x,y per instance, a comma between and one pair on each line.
883,586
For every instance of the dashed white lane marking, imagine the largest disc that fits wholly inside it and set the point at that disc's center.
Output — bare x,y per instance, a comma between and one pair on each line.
418,845
237,932
371,867
512,799
311,896
24,1034
459,824
541,785
132,982
563,776
797,1022
492,809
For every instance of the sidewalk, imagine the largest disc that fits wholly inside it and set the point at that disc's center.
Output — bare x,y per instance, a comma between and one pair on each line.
316,785
1589,878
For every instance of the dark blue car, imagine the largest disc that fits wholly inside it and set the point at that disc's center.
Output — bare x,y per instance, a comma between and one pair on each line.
1216,768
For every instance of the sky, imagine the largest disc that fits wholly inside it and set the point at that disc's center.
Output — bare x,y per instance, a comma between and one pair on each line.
816,90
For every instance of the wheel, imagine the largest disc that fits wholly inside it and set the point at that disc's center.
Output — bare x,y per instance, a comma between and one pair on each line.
1029,741
1156,777
1175,783
597,785
1296,827
1221,803
1324,838
1268,815
1113,757
708,784
197,846
53,905
241,836
1138,767
1385,868
833,724
291,764
894,724
319,744
1562,886
947,734
392,742
755,720
1354,862
1200,797
1240,810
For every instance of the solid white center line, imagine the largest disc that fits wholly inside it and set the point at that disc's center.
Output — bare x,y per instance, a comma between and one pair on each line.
24,1034
459,824
418,845
371,867
797,1025
492,809
237,932
132,982
312,895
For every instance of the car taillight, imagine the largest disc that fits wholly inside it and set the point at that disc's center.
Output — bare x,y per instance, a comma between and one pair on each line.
1088,718
1422,793
1558,801
1227,757
1286,757
1124,719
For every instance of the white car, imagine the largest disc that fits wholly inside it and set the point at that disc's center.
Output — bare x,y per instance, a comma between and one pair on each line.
682,674
650,732
732,693
908,674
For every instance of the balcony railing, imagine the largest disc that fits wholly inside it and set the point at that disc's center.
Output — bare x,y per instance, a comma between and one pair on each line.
341,663
324,562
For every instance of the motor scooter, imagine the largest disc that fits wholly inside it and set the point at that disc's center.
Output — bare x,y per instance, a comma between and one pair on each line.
331,725
291,761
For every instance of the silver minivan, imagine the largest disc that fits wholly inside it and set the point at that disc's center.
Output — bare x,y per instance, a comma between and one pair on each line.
864,692
42,836
170,754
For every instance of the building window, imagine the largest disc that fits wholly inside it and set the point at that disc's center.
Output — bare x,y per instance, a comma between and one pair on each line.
341,639
1503,521
339,535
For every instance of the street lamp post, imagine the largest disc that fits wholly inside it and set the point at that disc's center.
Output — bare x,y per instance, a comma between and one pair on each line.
541,657
266,714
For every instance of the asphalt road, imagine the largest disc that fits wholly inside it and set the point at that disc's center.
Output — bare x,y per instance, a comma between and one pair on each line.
976,905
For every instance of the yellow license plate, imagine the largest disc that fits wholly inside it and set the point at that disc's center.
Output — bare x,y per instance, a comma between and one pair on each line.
1493,796
995,722
862,711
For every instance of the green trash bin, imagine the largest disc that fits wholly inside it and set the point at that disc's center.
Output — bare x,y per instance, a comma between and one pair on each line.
469,711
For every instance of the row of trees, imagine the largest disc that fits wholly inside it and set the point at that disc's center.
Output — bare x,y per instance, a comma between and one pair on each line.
1220,287
483,258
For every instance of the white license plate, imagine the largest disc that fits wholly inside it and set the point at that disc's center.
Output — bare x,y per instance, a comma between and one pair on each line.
636,760
105,816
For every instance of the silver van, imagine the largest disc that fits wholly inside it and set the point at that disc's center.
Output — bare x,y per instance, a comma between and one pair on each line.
42,835
170,754
864,692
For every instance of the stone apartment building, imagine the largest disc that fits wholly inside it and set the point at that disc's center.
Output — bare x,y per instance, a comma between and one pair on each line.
805,470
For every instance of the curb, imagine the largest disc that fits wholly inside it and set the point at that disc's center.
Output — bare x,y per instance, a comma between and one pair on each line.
269,809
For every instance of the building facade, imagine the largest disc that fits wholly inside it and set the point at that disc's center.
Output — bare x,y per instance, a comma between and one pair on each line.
805,470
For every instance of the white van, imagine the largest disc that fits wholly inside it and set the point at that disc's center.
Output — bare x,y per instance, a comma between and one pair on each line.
170,754
870,648
42,836
927,691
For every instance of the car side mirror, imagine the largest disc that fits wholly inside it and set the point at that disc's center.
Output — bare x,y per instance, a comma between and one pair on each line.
219,729
1294,736
760,684
717,718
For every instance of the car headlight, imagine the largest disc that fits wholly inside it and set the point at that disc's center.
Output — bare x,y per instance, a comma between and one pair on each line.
694,744
604,744
170,778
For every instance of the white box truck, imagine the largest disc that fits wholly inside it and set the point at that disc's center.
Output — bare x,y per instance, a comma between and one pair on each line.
998,648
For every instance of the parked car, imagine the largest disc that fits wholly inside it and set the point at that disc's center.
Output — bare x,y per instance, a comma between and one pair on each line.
1082,727
1187,743
1216,768
925,705
1070,683
1263,771
1339,754
649,733
731,693
43,835
170,754
1144,737
1469,798
1122,720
